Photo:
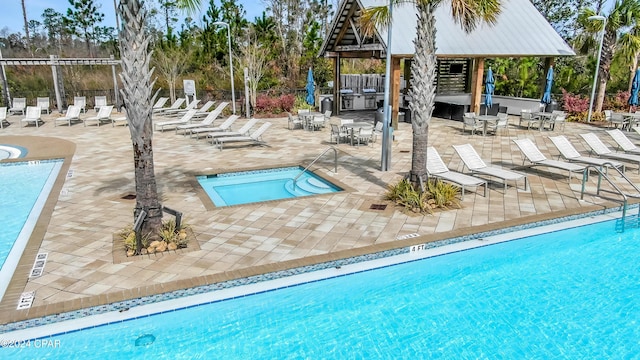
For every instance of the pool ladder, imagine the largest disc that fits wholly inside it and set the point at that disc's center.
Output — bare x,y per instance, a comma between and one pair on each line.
335,163
625,221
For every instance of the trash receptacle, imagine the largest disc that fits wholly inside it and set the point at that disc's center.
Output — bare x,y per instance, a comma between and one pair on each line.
400,116
326,104
552,106
407,115
379,116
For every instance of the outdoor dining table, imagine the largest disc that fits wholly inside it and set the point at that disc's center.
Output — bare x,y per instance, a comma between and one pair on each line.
486,119
307,119
351,128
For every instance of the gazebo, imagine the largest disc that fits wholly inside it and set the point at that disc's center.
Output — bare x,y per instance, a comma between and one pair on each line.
520,31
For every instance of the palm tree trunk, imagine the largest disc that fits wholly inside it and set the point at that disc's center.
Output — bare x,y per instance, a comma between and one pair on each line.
423,73
26,26
137,94
604,75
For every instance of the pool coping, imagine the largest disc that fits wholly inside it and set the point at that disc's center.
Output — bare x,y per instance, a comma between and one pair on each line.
126,299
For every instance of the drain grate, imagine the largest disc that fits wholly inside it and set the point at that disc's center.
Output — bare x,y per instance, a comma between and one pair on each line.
378,206
129,197
405,151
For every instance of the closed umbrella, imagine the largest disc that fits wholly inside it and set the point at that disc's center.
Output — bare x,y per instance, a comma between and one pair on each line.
489,86
635,88
310,88
546,97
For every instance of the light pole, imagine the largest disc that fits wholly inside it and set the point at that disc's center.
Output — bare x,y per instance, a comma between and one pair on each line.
595,77
233,93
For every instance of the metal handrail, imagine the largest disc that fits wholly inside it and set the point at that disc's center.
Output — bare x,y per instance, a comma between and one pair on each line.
335,161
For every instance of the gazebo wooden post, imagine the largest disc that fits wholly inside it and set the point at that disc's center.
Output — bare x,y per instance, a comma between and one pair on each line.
476,84
395,91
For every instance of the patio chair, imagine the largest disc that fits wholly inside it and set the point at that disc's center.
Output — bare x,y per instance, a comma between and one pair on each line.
225,126
558,119
318,122
116,119
178,112
615,119
204,110
160,103
365,135
346,121
32,114
43,103
104,114
98,102
19,104
207,122
294,122
474,163
243,131
570,153
174,123
72,114
253,139
502,123
327,116
176,105
623,141
600,149
3,117
337,133
437,168
81,102
377,131
536,158
526,116
469,120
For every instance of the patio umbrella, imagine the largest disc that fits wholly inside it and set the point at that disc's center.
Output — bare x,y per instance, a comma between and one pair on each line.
546,97
635,87
489,86
310,88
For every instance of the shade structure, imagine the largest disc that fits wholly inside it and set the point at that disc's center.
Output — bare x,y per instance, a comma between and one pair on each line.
635,88
489,86
310,88
546,96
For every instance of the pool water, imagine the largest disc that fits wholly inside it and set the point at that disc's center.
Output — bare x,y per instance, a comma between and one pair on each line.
11,152
568,294
263,185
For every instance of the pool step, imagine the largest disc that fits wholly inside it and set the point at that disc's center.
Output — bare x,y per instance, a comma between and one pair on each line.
308,187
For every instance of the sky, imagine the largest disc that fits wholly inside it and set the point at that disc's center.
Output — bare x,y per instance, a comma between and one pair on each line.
11,14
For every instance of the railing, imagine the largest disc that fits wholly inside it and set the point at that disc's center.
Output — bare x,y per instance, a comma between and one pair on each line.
625,197
335,163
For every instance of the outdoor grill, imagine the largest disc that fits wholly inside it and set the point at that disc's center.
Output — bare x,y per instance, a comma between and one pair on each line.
347,99
369,98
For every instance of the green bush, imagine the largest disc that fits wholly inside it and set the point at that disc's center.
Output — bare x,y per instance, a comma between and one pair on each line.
436,195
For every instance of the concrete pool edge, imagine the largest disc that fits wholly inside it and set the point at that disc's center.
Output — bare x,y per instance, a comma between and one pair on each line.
127,299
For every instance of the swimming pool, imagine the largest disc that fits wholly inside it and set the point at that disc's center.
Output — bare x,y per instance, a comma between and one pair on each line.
24,188
569,293
263,185
12,151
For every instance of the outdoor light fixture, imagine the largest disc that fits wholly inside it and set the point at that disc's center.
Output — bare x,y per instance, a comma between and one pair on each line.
233,93
595,77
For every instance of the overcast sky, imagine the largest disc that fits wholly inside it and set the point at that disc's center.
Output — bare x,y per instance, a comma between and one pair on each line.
11,14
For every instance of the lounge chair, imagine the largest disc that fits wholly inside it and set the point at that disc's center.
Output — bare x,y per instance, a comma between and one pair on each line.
43,103
536,158
225,126
207,122
474,163
623,141
243,131
160,103
253,139
81,102
32,114
104,114
176,105
178,112
98,102
600,149
203,111
570,153
19,104
174,123
3,116
437,168
72,114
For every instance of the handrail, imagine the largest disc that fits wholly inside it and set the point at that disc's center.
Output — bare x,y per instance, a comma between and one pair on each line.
335,151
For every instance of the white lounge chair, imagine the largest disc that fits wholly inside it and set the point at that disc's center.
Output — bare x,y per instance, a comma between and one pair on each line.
3,117
207,122
81,102
437,168
104,114
600,149
474,163
243,131
32,114
570,153
176,105
98,102
253,139
536,158
160,103
43,103
204,110
174,123
225,126
19,104
72,114
623,141
178,112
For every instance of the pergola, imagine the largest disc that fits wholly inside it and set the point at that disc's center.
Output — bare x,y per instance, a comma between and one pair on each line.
520,31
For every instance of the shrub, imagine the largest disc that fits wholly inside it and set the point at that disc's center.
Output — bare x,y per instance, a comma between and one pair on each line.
437,195
266,104
287,102
576,106
617,102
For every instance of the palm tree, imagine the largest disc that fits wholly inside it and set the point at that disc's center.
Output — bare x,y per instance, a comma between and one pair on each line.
625,14
26,25
469,13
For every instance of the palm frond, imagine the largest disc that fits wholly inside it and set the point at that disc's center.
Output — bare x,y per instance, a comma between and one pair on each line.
373,17
191,6
469,13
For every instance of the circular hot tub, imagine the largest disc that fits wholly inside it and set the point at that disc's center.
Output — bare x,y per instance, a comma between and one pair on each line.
12,152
